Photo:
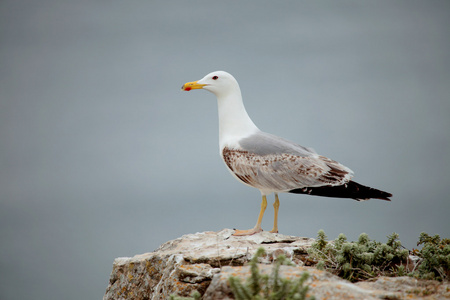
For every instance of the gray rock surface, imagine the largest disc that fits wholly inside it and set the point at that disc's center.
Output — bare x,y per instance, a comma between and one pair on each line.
324,285
204,261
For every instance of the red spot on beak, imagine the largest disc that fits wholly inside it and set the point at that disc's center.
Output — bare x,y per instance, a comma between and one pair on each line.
187,89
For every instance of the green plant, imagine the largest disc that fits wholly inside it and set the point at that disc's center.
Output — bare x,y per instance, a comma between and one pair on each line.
435,256
194,296
359,260
260,286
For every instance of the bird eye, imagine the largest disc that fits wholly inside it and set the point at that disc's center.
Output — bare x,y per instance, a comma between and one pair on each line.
215,77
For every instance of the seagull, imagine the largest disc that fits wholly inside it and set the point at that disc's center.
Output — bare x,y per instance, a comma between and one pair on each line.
270,163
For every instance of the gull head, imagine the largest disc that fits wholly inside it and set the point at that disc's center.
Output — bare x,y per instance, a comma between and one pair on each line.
219,83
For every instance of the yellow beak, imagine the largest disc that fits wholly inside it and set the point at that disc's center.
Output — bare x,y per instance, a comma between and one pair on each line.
192,86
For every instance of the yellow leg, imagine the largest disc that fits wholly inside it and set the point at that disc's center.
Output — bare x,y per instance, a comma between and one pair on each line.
276,206
257,227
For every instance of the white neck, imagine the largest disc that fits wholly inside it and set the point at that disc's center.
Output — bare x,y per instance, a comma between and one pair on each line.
234,122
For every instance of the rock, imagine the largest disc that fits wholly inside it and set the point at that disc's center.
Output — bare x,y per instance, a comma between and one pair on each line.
324,285
406,288
189,263
204,261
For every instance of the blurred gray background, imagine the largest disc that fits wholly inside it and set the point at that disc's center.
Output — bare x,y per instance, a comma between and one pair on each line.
102,155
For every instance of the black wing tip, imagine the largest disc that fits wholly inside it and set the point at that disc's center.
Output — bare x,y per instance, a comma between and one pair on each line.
386,198
352,190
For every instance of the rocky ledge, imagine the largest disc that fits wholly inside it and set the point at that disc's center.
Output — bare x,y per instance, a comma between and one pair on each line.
204,262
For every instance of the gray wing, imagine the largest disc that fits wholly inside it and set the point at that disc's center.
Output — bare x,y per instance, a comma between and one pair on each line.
274,164
263,143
